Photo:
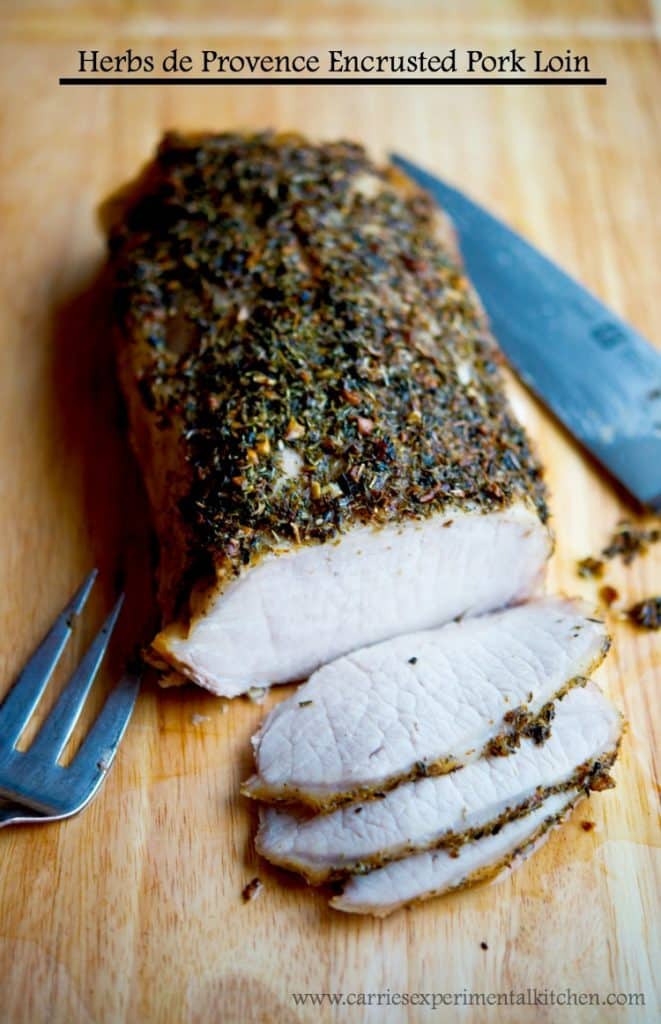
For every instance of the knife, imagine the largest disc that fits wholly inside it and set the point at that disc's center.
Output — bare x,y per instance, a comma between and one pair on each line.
599,376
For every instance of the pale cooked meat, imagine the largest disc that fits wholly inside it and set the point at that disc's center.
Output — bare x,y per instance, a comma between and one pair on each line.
436,872
449,809
423,703
314,399
289,614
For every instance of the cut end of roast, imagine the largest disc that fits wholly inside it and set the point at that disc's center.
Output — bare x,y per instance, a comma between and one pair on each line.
316,403
290,613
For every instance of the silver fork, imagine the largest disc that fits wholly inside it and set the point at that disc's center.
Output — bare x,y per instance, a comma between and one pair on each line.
33,786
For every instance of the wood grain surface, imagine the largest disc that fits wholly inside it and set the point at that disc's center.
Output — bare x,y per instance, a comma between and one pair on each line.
132,911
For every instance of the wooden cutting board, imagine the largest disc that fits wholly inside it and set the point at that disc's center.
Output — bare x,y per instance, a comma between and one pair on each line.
133,911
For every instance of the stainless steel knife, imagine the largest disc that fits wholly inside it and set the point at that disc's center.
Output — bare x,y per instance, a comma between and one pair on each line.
597,374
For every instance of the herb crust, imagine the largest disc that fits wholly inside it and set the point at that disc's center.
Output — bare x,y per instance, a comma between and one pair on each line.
307,332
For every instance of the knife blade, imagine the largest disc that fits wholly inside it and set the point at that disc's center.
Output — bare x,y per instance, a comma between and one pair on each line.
599,376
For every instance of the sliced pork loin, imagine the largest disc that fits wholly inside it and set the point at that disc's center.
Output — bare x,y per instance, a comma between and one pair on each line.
450,809
315,401
436,872
423,703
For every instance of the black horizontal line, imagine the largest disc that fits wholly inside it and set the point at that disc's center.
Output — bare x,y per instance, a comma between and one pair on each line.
127,80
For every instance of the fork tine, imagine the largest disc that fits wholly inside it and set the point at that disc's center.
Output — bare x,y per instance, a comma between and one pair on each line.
98,749
52,737
26,692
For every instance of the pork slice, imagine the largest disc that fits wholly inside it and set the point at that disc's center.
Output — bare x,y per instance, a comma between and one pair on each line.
315,401
449,809
436,872
423,703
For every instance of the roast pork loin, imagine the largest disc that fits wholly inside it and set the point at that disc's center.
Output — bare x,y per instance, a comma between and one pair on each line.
315,400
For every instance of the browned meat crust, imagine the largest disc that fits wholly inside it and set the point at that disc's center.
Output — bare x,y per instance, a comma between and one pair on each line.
274,292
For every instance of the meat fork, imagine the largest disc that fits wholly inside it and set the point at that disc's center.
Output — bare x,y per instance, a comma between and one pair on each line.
33,786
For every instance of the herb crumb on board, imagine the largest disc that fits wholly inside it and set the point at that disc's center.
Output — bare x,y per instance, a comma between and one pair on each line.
252,890
628,541
646,613
590,567
608,595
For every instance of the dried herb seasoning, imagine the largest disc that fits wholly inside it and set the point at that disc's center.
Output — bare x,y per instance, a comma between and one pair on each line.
588,567
628,542
608,595
252,890
647,613
314,341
